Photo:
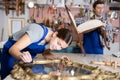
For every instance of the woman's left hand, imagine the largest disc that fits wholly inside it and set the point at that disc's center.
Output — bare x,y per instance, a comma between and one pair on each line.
26,57
65,57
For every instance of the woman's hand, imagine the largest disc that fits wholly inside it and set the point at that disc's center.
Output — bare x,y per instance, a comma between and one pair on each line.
26,57
65,57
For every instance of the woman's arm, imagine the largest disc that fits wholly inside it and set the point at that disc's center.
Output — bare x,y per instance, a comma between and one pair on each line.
23,42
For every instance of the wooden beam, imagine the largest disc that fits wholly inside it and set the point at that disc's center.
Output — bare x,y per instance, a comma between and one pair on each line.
22,7
6,7
17,7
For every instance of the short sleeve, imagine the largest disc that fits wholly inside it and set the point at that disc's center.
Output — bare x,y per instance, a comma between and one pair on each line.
35,32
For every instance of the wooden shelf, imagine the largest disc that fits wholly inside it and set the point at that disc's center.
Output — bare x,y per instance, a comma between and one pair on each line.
17,5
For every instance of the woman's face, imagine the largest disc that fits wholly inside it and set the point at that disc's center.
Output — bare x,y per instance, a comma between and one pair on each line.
99,9
57,43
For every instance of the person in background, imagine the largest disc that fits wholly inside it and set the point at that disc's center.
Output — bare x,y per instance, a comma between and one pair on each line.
29,41
93,41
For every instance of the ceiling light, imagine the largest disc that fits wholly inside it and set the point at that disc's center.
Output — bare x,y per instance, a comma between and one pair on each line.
31,4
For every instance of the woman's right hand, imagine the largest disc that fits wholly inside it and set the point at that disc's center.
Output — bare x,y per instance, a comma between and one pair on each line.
26,57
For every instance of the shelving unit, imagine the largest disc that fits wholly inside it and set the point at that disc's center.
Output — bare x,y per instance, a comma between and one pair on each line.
14,5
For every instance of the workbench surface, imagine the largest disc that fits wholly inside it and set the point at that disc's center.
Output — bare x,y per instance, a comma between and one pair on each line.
76,57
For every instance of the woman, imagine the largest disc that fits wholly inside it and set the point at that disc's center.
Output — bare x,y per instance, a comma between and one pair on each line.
32,39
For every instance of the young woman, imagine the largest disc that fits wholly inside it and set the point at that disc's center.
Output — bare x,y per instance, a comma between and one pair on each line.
32,39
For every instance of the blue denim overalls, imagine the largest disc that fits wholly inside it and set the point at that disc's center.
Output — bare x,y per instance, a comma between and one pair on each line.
7,60
91,43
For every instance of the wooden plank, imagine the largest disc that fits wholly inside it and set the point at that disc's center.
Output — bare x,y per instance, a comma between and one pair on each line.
6,7
17,7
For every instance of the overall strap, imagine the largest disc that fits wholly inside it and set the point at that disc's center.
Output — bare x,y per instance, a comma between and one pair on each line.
35,48
45,33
